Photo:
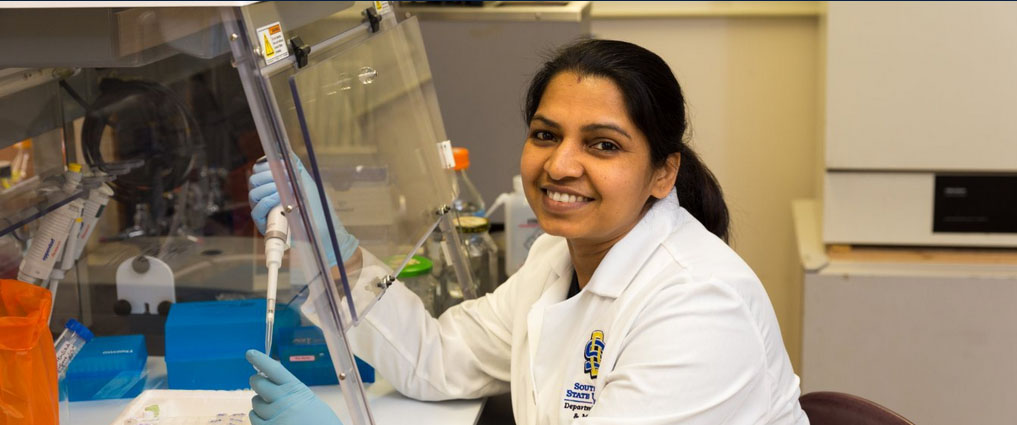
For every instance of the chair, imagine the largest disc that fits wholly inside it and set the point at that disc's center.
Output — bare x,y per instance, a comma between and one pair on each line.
833,408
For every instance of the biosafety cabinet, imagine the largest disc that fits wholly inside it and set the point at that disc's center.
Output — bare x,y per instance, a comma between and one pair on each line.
128,137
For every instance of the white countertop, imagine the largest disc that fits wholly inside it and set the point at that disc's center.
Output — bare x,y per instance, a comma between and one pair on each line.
388,406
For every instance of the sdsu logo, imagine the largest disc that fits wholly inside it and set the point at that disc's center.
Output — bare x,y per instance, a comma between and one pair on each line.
594,351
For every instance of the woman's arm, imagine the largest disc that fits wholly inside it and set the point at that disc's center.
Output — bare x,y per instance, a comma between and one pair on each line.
466,353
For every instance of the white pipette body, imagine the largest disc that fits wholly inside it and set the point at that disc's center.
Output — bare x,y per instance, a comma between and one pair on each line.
48,242
276,242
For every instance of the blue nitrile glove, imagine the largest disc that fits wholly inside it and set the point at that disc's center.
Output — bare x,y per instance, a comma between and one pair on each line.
282,399
263,196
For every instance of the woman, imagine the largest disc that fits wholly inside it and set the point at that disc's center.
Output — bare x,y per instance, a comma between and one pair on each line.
632,309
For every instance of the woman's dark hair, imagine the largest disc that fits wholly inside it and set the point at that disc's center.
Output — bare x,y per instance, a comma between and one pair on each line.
655,103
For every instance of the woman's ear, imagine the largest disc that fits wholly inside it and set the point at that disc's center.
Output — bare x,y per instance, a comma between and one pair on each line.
664,177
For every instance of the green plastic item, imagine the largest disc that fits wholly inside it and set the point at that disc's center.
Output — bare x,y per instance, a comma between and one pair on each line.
418,266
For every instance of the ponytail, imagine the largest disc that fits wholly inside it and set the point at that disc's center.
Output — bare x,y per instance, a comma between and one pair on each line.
700,194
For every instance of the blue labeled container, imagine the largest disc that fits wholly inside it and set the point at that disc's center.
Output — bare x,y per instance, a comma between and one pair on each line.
304,353
108,367
206,342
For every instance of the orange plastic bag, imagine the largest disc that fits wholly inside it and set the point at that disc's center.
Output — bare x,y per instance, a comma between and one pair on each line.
28,379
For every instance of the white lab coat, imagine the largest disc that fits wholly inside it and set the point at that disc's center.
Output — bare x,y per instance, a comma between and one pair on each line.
687,336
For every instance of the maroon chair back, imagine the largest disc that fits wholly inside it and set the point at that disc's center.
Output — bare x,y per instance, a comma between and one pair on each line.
832,408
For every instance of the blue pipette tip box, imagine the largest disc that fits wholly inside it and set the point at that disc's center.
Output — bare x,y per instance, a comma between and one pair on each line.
304,353
108,367
206,342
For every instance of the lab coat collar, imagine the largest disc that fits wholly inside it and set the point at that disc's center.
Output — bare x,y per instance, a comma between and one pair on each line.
627,256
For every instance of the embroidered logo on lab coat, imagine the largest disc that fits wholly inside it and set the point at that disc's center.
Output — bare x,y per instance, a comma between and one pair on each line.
593,352
579,399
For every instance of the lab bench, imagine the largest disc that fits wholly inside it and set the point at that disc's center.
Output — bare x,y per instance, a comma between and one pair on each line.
388,406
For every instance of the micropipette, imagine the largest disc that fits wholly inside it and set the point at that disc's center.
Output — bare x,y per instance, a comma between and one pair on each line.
276,242
53,233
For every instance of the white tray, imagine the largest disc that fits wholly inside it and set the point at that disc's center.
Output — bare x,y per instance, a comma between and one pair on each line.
188,407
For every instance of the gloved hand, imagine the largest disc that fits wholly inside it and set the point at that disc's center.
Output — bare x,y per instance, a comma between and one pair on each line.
282,399
264,196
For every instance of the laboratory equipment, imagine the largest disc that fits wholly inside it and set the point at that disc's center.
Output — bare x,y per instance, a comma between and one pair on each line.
187,407
482,260
96,203
481,250
144,285
521,226
108,367
277,234
303,352
74,336
129,108
53,234
416,179
891,176
166,108
206,341
469,201
418,278
65,255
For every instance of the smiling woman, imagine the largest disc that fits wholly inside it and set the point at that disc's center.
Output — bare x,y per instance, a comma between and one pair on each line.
586,167
632,308
607,125
638,91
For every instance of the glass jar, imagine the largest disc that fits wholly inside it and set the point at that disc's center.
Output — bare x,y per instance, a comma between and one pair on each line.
418,279
482,256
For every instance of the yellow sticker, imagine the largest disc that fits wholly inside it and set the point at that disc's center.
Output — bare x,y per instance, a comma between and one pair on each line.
273,43
269,51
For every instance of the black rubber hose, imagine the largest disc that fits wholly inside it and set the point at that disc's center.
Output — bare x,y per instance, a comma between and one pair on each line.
149,123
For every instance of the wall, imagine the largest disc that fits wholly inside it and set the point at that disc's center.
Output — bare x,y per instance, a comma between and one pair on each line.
751,82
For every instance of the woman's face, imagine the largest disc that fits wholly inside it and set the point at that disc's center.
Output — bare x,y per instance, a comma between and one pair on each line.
586,166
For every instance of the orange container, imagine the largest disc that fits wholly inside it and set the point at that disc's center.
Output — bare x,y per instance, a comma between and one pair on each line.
28,379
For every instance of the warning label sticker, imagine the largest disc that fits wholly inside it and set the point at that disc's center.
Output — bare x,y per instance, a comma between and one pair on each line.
273,43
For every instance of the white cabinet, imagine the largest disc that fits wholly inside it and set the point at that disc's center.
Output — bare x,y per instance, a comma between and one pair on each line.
921,86
930,334
935,343
914,91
